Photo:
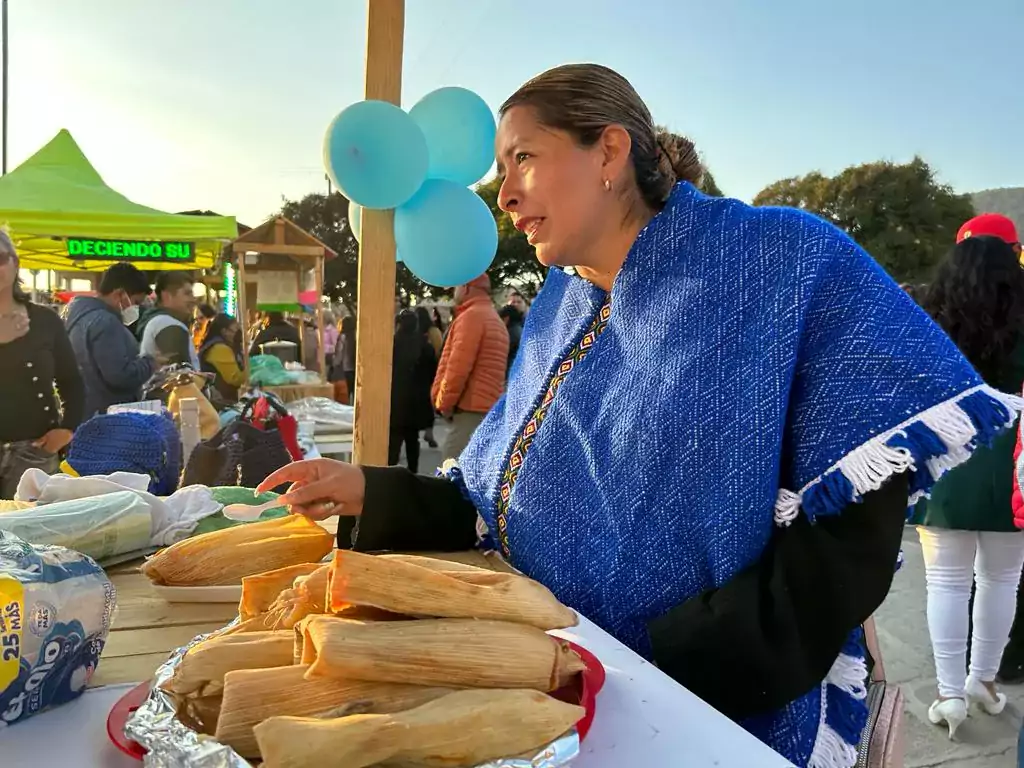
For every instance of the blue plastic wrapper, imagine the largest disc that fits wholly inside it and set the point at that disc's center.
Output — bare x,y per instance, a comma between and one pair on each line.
56,606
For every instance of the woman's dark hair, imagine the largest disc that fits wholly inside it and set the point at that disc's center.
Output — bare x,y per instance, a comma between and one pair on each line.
275,318
437,320
408,323
425,320
977,296
205,310
584,99
216,327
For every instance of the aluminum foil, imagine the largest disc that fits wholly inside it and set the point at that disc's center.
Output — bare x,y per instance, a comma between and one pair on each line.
172,744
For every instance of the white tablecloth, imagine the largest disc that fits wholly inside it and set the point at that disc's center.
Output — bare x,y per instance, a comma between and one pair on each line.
643,719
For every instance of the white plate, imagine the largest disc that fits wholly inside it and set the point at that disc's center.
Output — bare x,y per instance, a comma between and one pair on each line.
231,593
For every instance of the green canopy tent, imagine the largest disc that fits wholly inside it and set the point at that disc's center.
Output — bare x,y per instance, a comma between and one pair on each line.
62,216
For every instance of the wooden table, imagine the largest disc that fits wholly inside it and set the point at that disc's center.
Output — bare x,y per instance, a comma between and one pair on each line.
147,628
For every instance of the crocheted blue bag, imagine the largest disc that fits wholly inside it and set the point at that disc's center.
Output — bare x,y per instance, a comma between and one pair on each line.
145,443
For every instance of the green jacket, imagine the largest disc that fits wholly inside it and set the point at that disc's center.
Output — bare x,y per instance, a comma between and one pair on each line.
976,495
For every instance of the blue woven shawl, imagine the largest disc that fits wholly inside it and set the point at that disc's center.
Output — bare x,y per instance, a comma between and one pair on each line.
757,364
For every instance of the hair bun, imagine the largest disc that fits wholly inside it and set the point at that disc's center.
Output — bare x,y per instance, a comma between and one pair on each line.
678,158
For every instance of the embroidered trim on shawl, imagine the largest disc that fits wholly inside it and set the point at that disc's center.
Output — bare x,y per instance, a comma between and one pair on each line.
525,439
935,440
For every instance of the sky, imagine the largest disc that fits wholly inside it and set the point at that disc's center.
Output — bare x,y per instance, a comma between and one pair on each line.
222,104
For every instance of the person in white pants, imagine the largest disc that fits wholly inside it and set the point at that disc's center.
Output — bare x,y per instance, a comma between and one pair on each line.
966,528
953,561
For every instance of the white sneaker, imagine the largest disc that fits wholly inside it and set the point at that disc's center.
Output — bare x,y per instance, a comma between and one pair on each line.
978,694
952,712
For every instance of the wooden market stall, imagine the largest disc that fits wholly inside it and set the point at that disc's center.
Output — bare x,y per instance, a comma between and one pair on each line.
280,252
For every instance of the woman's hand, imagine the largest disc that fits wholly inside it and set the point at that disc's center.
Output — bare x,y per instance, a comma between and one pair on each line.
320,488
54,440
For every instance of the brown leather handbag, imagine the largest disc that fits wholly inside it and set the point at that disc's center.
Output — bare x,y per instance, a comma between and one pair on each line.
882,742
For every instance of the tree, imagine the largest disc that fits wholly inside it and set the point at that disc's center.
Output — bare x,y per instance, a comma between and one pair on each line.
709,186
898,213
326,218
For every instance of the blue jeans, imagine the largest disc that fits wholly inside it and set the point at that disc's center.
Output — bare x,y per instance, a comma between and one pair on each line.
15,458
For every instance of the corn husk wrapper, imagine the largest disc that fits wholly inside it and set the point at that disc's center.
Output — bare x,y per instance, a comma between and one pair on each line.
460,730
446,652
409,589
261,590
226,556
210,660
253,695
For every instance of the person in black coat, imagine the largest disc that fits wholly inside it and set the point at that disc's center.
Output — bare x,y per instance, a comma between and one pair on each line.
513,320
412,374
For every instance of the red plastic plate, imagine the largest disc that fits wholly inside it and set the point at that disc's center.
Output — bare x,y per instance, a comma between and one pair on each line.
119,715
584,689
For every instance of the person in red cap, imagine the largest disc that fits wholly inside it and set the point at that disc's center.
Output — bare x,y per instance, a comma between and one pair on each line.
991,225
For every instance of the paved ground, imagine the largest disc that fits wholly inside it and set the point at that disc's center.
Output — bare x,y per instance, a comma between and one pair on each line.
983,741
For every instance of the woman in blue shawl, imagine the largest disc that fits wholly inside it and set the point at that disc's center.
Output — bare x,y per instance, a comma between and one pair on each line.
711,430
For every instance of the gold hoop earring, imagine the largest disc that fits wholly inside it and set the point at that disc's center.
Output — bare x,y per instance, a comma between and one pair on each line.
607,185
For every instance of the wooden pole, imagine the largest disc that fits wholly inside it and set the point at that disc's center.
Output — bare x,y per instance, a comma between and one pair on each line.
321,355
375,324
243,316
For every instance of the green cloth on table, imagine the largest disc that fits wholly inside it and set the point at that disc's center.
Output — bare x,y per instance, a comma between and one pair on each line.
230,494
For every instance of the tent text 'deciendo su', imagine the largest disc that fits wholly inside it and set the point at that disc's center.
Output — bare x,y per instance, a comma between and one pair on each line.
62,216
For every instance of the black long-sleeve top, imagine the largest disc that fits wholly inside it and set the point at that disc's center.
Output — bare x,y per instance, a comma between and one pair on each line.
756,643
35,368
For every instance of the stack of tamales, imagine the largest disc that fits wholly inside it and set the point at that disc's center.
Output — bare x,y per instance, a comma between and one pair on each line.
386,659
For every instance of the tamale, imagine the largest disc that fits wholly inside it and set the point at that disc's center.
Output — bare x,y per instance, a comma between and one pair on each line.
253,695
314,587
404,588
433,563
460,730
226,556
449,652
211,659
262,589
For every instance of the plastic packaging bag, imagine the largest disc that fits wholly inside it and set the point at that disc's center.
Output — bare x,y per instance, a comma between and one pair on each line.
98,526
322,410
268,371
56,607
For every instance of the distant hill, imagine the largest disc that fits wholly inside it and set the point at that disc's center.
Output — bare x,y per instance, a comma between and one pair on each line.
1008,201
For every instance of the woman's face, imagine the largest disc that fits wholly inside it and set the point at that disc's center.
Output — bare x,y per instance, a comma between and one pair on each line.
230,333
553,189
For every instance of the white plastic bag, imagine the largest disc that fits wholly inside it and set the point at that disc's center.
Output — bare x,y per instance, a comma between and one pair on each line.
98,526
56,607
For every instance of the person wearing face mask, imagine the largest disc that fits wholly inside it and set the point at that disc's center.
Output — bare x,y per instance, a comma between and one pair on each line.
716,418
37,362
106,351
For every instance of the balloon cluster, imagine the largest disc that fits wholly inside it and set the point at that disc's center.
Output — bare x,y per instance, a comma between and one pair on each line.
421,163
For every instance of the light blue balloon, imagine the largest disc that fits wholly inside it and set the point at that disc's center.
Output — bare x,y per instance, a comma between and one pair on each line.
355,220
376,154
459,128
446,234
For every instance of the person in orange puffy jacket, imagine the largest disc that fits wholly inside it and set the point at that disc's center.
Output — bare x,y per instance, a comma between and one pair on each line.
471,375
